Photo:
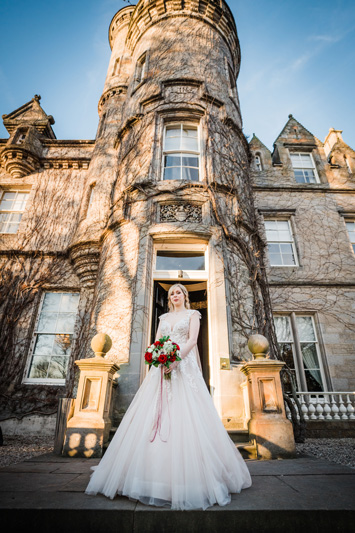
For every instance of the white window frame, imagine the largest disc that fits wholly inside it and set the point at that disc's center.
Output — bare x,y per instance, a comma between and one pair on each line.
182,123
297,351
46,381
292,241
2,193
350,221
187,274
301,167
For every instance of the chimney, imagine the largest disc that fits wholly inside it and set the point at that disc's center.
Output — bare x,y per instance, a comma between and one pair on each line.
331,139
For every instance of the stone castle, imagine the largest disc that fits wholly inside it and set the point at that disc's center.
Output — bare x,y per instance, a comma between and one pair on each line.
94,232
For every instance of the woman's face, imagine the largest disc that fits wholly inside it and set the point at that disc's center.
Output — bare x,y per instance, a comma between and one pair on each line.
177,297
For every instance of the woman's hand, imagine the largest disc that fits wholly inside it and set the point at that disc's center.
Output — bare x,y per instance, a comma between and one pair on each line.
171,367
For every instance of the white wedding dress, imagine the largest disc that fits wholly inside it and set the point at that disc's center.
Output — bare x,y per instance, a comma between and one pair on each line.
171,447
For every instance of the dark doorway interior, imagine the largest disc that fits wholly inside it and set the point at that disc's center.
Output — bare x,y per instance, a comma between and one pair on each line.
198,300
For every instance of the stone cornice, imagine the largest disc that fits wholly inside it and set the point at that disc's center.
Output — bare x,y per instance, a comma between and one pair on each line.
58,163
308,189
147,13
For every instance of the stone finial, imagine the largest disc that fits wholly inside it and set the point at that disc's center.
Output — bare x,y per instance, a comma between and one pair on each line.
259,346
101,344
290,115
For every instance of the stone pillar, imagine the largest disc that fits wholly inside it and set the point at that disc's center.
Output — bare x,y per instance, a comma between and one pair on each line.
268,425
88,430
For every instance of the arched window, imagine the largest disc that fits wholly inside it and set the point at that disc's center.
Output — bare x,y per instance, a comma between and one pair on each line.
258,164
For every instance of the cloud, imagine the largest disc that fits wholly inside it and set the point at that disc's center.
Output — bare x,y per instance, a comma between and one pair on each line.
325,38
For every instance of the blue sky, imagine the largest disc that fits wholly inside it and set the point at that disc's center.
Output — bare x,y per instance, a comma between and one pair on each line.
297,57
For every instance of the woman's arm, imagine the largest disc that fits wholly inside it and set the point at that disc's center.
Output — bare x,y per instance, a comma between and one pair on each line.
193,336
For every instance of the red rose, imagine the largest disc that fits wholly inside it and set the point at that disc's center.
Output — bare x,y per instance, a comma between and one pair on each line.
162,358
148,357
173,358
176,346
157,343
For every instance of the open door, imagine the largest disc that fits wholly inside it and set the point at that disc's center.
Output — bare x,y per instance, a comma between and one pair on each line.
198,300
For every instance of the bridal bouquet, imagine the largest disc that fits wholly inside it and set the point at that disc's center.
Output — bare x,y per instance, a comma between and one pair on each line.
162,352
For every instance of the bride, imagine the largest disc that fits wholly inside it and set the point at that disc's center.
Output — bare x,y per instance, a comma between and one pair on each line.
171,447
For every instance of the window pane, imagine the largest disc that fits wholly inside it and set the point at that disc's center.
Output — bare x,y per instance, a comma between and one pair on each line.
172,131
51,302
305,329
189,131
172,143
47,322
172,173
62,344
189,143
314,381
180,260
190,174
299,177
189,161
39,367
69,302
309,176
172,161
283,328
306,161
270,224
274,248
44,345
275,260
11,228
58,367
287,354
65,322
295,160
288,260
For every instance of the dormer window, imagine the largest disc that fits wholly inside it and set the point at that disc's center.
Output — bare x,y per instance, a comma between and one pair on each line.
304,168
258,164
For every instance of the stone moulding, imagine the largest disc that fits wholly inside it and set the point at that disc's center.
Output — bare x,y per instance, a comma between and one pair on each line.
19,162
85,258
63,164
110,93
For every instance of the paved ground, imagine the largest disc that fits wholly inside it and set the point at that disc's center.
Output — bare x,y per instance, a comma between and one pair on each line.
286,495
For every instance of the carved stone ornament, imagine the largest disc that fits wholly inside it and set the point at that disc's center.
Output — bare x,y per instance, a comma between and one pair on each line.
180,213
85,258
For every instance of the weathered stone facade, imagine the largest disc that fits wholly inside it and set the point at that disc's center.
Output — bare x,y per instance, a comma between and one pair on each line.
100,214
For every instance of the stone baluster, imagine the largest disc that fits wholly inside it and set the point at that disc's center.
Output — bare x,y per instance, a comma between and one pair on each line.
319,409
312,411
335,408
304,407
349,408
342,408
327,408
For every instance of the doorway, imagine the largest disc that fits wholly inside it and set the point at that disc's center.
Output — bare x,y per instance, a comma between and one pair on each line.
198,300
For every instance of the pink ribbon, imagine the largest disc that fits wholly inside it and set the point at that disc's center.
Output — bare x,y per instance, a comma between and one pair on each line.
158,419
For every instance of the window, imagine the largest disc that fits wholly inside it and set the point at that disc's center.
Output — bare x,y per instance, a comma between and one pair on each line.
12,206
173,261
53,338
280,243
350,226
181,155
258,164
304,168
116,67
298,343
91,197
347,164
141,68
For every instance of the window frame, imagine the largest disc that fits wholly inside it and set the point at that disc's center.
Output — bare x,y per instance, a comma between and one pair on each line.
3,191
176,247
182,123
47,381
297,350
314,168
350,220
258,165
141,69
292,242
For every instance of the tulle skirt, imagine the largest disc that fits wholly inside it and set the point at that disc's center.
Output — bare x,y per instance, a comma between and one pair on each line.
171,447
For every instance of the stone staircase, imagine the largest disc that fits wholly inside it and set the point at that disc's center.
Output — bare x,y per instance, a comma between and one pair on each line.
240,437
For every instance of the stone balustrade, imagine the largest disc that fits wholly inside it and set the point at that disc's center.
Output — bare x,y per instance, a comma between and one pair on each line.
326,405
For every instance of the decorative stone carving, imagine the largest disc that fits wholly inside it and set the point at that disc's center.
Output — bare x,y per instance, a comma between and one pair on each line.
85,258
181,213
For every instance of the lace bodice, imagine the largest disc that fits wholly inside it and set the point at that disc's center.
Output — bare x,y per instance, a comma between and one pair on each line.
179,333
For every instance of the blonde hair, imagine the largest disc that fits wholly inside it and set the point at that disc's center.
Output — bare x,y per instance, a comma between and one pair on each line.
185,293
